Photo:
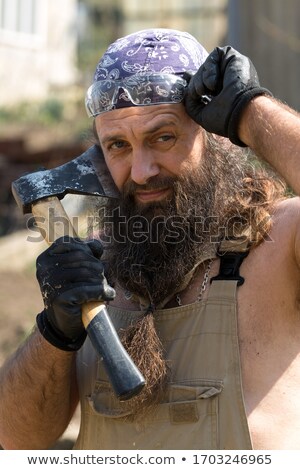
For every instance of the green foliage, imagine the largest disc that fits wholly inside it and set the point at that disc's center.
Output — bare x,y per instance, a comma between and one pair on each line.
46,112
51,111
62,113
5,115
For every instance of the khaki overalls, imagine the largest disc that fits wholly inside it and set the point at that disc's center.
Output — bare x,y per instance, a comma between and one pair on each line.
204,408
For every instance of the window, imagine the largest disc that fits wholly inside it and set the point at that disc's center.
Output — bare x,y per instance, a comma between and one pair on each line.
18,16
23,22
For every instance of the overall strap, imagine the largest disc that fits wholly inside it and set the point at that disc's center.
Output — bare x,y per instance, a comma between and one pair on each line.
221,314
231,253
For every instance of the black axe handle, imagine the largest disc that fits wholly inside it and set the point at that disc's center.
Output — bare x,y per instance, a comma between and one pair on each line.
125,377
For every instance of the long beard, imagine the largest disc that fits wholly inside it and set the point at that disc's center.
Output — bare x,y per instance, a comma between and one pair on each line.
154,246
152,249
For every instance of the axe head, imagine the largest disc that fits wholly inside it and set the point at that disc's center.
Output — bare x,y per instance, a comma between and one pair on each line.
86,175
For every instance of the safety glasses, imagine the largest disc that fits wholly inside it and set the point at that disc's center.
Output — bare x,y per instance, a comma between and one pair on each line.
140,90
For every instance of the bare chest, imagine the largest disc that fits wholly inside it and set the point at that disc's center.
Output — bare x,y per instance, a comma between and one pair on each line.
269,340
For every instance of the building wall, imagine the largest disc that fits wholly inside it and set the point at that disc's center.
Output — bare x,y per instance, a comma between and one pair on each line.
268,32
37,48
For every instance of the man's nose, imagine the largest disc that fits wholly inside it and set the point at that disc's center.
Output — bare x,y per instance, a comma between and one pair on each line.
143,165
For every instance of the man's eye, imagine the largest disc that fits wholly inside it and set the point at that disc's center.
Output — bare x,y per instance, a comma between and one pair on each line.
165,137
118,144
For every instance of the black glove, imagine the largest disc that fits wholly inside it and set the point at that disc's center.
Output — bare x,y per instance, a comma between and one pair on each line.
219,91
70,274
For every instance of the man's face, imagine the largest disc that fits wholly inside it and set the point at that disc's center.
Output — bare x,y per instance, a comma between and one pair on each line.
156,157
143,144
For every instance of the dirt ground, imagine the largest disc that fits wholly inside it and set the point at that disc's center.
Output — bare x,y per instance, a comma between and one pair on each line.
20,301
20,298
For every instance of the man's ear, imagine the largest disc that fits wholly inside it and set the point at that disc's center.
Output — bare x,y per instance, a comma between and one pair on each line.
103,173
95,133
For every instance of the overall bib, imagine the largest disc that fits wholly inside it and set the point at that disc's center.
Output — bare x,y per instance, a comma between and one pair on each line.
204,406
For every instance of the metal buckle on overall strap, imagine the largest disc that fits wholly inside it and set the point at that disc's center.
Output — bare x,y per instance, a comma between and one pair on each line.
231,253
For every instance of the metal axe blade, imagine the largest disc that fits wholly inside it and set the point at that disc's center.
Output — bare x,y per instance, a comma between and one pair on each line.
86,175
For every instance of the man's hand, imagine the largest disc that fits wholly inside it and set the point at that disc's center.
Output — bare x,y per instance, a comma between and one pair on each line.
70,274
219,91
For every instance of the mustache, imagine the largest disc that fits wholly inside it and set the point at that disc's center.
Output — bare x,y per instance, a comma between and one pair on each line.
155,182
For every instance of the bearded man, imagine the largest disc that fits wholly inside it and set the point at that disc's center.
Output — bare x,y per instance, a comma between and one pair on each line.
201,255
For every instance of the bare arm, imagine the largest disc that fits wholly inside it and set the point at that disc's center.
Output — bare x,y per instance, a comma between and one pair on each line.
240,109
38,397
38,387
272,131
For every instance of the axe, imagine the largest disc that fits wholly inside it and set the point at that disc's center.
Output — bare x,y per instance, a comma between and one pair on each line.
39,193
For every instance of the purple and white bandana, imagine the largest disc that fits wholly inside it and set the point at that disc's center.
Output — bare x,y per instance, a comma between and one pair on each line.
166,51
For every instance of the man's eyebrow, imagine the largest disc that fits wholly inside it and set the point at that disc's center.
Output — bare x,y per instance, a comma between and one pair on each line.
157,127
111,138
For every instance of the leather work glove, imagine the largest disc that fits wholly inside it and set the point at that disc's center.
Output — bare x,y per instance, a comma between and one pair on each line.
69,273
220,90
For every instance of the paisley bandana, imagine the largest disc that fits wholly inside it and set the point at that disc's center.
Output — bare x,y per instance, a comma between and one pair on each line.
148,52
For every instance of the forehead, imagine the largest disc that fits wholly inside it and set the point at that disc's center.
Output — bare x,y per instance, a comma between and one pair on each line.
142,119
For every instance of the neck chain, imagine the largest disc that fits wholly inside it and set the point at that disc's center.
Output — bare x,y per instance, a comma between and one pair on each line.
146,306
203,285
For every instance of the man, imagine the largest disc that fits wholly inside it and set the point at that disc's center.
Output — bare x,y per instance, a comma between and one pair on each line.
202,250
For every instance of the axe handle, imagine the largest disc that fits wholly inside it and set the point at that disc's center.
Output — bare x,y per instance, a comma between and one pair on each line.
126,379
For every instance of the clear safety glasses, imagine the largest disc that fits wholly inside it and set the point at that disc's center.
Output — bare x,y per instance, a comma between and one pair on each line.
141,90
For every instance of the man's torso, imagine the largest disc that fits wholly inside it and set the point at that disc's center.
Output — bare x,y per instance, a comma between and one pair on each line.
268,335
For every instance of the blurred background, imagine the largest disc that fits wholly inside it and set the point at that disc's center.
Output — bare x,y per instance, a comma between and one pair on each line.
48,53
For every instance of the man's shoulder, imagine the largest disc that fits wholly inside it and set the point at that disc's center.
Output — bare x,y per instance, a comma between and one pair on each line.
286,226
272,267
286,210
